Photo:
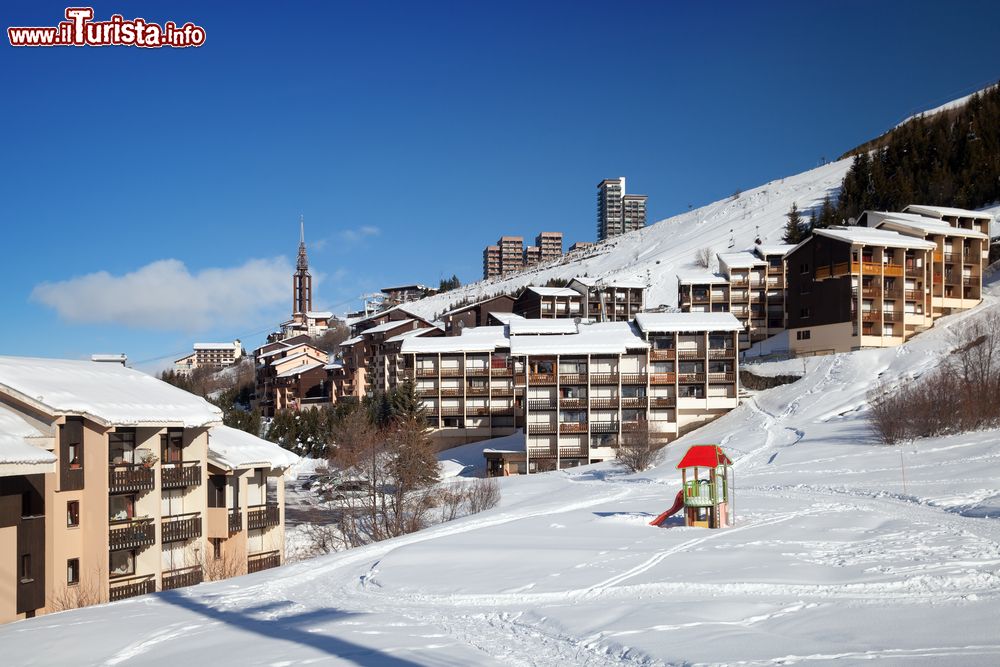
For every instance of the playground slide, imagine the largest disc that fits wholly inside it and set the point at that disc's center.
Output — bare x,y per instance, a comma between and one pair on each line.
678,503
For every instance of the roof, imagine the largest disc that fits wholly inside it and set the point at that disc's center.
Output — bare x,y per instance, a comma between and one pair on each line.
701,278
704,456
686,322
947,212
319,314
552,291
542,326
925,225
293,357
622,283
352,341
299,370
400,288
505,317
386,326
412,332
590,338
475,339
215,346
476,304
774,249
21,445
879,237
231,448
108,394
743,259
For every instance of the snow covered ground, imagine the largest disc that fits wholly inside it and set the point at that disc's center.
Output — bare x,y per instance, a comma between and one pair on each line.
844,550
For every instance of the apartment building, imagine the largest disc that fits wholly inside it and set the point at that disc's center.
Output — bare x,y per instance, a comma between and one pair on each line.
960,257
105,487
956,217
579,389
475,314
491,262
581,246
359,351
382,345
532,255
215,356
511,253
550,245
290,374
610,300
406,293
617,211
548,302
856,287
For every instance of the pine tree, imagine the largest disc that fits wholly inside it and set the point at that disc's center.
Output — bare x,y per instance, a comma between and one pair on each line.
793,228
405,403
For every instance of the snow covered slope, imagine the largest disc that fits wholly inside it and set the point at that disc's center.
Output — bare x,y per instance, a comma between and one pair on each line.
832,559
654,254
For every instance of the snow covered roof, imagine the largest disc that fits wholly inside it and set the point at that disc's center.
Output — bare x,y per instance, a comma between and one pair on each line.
774,249
475,304
475,339
22,443
701,278
231,449
552,291
622,283
412,332
299,370
108,394
740,260
352,341
215,346
292,357
687,322
386,326
925,225
947,212
879,237
505,317
590,338
319,314
525,326
334,365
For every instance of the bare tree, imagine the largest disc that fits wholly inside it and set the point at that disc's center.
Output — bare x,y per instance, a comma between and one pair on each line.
638,449
226,566
704,257
83,594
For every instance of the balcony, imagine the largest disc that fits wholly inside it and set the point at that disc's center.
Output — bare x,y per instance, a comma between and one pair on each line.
130,478
662,378
181,527
634,402
452,372
263,516
662,402
871,315
540,452
501,409
541,429
573,427
134,534
179,578
722,377
500,371
635,426
663,355
604,427
541,404
542,378
604,378
604,403
263,561
872,291
691,377
477,391
502,391
573,452
572,378
722,352
179,475
130,587
426,372
235,521
633,378
427,391
577,403
690,354
451,391
479,371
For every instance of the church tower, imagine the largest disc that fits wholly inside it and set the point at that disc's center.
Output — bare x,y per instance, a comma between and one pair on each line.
302,279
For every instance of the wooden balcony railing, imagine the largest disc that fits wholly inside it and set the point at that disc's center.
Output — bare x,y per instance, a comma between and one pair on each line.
477,391
721,352
604,427
541,404
502,391
690,354
634,426
134,534
477,411
604,378
542,378
478,371
427,391
179,475
634,402
235,521
263,516
501,409
604,403
540,429
573,427
871,315
662,378
130,587
633,378
130,478
691,377
566,452
263,561
572,378
181,527
502,371
181,577
578,403
449,411
540,452
451,391
452,372
662,402
722,377
426,372
663,355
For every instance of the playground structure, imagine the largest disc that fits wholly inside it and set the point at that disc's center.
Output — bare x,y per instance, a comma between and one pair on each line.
705,499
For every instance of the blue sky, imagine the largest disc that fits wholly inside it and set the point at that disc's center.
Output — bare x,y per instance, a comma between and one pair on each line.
410,135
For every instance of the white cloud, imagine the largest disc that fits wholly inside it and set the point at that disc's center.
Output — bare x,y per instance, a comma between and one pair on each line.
165,295
360,233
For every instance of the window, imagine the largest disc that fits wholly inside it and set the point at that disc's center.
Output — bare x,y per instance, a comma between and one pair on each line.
217,491
802,335
216,547
75,456
26,568
73,571
171,446
121,447
122,563
121,508
804,313
73,513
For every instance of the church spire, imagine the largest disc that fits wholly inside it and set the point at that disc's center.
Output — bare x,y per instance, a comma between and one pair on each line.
303,262
302,280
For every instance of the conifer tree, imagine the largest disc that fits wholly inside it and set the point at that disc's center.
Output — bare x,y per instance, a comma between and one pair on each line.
793,228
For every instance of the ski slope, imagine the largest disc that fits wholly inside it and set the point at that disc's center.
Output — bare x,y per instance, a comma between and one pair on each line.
831,560
656,254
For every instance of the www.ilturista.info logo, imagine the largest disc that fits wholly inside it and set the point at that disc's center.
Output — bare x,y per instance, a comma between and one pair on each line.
80,30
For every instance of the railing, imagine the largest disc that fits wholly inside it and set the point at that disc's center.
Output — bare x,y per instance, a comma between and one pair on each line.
133,534
721,352
449,411
634,426
177,475
690,354
451,391
132,586
262,516
263,561
699,296
604,378
452,372
477,391
950,256
892,269
604,427
541,429
478,411
870,291
890,316
722,377
425,391
181,577
663,355
541,404
604,403
502,391
502,371
691,377
426,372
698,494
542,378
235,521
572,378
540,452
477,371
662,402
870,315
573,451
181,527
578,403
501,409
573,427
634,402
130,478
662,378
633,378
822,272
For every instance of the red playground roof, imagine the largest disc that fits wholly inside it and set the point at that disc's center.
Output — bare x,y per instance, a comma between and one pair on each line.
704,456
